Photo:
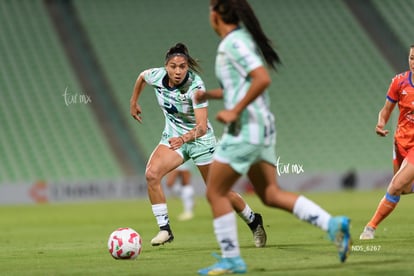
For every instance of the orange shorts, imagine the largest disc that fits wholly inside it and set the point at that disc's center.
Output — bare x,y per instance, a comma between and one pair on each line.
401,153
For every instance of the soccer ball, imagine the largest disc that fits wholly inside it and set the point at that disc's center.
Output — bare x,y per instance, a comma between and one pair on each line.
124,243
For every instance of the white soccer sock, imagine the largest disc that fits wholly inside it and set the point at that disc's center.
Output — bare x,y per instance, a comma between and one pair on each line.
187,197
309,211
247,214
160,212
176,189
225,228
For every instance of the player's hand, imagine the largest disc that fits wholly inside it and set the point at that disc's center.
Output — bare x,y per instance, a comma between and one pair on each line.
226,116
135,110
175,142
381,131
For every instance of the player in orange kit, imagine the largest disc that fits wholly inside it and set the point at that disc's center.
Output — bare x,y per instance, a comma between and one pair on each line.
401,91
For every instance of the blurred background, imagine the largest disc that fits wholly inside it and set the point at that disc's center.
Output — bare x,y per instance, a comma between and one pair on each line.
68,68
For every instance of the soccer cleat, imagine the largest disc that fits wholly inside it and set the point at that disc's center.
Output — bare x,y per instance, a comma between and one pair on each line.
259,233
368,233
162,237
185,216
338,231
225,266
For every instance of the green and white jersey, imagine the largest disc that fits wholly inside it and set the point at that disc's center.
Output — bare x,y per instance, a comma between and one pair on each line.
237,56
177,103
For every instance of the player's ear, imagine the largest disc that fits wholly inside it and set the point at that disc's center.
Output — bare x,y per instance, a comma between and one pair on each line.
215,17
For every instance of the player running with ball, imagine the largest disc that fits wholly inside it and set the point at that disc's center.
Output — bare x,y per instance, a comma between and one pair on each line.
187,135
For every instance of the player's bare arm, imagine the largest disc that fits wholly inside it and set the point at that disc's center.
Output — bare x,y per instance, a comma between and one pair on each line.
135,108
214,94
199,130
383,117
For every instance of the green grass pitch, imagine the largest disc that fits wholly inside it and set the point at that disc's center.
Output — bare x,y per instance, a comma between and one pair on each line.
71,239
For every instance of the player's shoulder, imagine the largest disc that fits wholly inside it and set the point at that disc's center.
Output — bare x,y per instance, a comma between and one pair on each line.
401,80
238,43
402,76
154,74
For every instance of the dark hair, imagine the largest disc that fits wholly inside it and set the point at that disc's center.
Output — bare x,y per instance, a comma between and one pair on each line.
234,11
181,50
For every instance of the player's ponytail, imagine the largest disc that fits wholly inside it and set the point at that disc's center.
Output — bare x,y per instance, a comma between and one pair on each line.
180,49
234,11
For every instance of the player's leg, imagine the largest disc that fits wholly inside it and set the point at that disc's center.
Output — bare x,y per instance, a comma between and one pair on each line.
162,161
232,159
220,180
172,178
172,182
252,219
187,195
401,183
390,200
264,179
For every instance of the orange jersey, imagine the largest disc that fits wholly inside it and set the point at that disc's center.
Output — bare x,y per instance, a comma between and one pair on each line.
401,91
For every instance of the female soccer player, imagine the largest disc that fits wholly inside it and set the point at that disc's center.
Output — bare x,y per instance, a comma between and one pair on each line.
187,135
401,91
247,145
184,189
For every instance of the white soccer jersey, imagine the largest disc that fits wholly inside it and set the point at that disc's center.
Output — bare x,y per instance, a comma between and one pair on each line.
237,55
177,103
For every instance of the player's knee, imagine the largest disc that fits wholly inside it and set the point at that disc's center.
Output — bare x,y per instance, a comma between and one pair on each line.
397,187
152,175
